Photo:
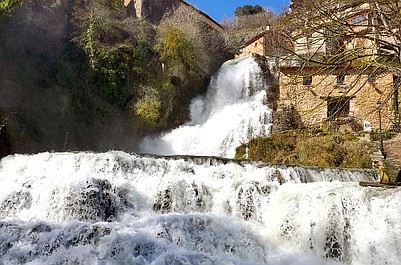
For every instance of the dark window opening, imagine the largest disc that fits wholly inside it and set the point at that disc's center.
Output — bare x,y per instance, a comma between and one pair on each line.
338,107
371,79
359,20
307,81
341,79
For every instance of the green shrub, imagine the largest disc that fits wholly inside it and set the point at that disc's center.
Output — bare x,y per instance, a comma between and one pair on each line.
148,107
308,150
174,47
8,6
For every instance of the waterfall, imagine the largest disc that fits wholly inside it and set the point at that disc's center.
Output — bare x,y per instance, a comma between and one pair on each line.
120,208
231,113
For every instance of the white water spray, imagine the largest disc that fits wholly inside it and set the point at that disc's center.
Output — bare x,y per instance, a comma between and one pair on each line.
232,112
118,208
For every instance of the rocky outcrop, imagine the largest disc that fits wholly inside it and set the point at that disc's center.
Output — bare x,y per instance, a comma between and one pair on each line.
285,118
5,139
152,10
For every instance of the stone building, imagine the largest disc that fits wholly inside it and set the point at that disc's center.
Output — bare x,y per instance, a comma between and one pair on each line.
264,44
332,96
256,45
340,94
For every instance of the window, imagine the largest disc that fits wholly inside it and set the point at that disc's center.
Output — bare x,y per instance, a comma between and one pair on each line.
340,79
338,107
307,81
359,20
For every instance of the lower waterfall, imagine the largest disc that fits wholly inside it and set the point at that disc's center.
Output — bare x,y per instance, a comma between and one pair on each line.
119,208
190,209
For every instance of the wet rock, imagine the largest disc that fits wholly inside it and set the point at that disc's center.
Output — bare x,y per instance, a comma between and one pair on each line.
187,197
94,200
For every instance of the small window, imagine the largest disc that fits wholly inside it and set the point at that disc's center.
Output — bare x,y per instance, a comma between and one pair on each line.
307,81
341,79
359,20
338,107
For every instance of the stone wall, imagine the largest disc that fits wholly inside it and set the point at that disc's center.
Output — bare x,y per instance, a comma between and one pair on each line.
311,100
152,10
254,47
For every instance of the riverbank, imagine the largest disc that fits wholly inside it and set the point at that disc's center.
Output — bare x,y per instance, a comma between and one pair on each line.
306,148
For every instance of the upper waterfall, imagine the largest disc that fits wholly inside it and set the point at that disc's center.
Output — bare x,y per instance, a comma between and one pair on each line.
232,112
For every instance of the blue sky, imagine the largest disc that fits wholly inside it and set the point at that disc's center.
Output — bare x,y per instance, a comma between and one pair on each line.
217,9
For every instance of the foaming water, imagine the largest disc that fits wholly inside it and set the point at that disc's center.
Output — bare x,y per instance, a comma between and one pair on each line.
232,112
118,208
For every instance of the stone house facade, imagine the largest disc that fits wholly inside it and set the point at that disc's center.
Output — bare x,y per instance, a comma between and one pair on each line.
152,10
264,44
254,46
341,94
327,97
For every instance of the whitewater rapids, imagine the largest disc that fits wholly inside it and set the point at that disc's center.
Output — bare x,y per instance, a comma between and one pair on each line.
119,208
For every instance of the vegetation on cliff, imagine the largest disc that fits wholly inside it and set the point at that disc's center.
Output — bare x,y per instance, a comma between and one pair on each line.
7,7
87,75
248,10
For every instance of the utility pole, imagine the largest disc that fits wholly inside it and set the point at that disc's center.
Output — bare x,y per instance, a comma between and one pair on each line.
379,106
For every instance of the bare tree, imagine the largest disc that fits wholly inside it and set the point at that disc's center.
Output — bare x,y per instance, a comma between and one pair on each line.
208,41
249,21
353,49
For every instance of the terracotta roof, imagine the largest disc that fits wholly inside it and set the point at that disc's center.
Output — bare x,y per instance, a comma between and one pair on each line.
255,38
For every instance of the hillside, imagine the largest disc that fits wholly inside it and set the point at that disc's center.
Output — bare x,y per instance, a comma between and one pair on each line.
89,76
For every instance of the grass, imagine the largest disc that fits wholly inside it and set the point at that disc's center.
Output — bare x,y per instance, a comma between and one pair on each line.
326,150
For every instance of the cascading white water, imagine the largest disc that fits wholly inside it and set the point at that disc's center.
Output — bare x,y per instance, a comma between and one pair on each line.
119,208
116,208
232,112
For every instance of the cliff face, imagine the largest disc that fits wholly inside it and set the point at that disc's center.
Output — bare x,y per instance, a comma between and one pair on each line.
5,141
152,10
